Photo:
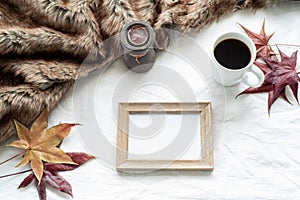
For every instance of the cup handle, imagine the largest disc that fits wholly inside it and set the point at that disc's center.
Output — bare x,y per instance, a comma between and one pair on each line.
254,77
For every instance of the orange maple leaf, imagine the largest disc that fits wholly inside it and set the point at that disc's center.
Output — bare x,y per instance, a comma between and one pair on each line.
40,143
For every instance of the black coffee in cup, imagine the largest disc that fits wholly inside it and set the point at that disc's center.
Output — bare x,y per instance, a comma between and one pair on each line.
232,54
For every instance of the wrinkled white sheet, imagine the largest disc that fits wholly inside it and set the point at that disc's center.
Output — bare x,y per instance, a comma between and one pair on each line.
256,156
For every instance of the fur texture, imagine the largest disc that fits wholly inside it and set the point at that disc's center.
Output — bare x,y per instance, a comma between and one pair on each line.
43,43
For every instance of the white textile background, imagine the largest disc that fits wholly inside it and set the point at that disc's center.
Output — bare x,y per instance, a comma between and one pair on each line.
256,156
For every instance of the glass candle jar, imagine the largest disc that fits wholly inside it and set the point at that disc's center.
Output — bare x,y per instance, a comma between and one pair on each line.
137,40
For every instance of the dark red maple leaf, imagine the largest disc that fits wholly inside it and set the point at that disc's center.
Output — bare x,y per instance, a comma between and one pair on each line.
260,40
278,75
52,178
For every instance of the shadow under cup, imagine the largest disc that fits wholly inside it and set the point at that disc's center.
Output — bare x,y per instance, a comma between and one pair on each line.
233,55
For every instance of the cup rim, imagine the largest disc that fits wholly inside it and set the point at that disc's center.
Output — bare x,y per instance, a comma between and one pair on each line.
230,35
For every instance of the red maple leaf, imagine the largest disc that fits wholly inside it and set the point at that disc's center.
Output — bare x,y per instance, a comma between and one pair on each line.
261,41
278,75
52,178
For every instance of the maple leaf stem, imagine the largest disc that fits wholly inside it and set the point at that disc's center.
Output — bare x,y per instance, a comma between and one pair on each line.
290,45
14,174
15,156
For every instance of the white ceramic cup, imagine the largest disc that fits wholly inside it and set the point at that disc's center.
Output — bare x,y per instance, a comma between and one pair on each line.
250,74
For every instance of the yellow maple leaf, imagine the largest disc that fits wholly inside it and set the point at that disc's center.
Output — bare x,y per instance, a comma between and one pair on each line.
40,144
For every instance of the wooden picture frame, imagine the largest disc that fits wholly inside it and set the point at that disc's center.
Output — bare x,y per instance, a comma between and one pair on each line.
203,163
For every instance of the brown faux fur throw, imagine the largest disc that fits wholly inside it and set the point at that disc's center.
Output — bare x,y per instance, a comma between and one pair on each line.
43,43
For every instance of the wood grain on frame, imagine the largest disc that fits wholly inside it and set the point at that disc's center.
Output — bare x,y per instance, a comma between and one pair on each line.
204,110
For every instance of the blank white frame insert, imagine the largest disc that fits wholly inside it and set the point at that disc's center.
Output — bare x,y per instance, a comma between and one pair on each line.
152,136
